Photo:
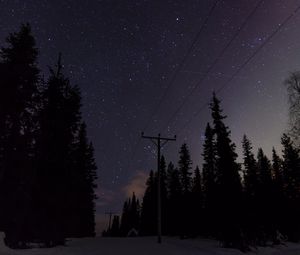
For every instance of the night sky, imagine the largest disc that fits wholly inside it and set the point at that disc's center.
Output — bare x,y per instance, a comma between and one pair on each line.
123,55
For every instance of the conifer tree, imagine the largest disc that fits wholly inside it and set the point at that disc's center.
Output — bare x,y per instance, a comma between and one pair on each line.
265,201
134,213
130,216
163,193
184,167
278,195
250,169
291,173
149,208
197,203
174,196
229,189
115,227
185,174
19,78
209,182
125,225
251,185
83,177
277,171
59,121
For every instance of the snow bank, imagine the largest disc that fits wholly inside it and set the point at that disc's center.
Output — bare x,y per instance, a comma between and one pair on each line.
145,246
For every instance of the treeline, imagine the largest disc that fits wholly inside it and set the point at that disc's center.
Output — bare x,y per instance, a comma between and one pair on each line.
47,166
242,205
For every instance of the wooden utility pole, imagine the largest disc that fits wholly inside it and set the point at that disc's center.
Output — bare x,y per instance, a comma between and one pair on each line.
157,141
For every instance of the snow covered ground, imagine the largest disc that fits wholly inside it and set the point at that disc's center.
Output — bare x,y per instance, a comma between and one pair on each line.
145,246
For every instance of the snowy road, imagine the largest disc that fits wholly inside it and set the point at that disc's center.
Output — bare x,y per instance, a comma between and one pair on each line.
146,246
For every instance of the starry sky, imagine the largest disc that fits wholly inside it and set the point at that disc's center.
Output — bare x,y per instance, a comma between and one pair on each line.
126,55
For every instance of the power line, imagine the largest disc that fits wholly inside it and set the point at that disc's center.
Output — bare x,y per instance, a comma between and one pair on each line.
181,65
270,37
177,71
236,34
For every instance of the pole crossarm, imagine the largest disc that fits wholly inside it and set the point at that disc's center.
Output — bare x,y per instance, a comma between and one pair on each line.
159,137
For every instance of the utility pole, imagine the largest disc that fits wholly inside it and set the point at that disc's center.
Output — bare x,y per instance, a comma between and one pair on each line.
157,141
109,222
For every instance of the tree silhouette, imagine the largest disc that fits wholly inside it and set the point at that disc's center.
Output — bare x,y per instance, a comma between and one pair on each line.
19,77
185,174
59,124
149,208
251,185
130,216
228,183
291,171
82,218
197,204
174,196
209,182
265,202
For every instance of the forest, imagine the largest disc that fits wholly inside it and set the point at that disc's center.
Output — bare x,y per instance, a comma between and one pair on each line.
243,205
47,166
48,170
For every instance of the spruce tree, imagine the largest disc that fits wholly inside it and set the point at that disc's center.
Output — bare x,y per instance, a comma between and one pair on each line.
184,167
19,78
163,193
149,208
251,185
125,224
83,177
209,182
115,227
278,195
265,198
197,203
250,169
228,183
130,216
291,173
277,171
174,196
59,124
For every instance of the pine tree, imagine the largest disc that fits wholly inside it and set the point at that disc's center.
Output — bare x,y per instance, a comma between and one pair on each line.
174,196
209,182
229,189
277,170
149,208
134,213
251,185
19,78
184,167
83,177
125,225
265,202
197,203
163,193
115,227
291,173
250,169
130,216
185,174
59,124
278,195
